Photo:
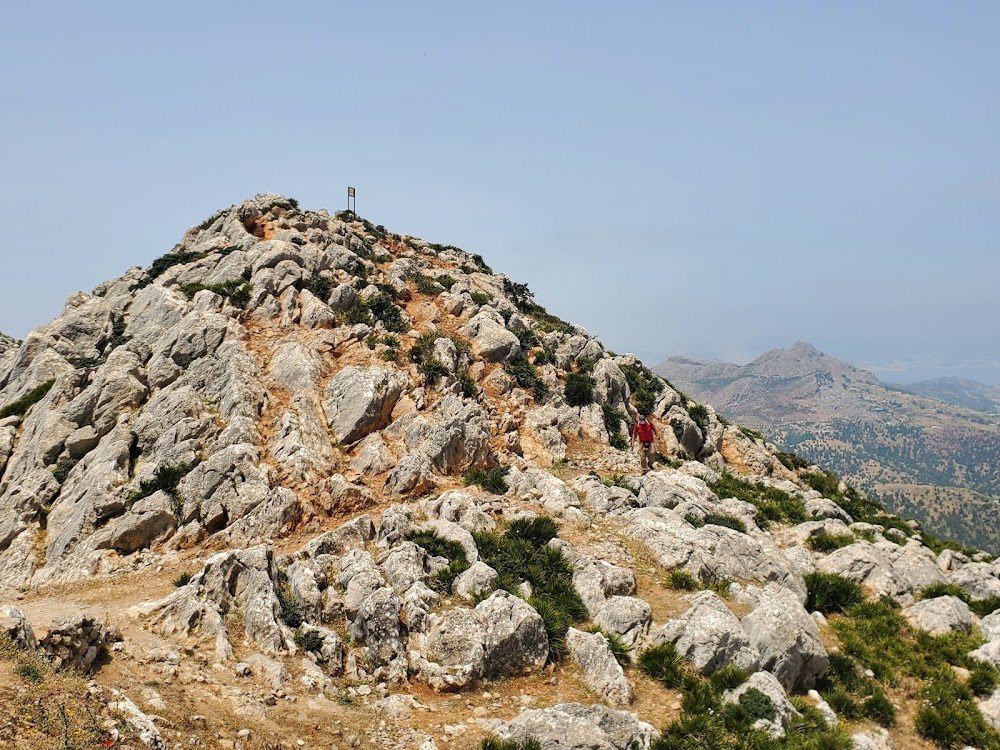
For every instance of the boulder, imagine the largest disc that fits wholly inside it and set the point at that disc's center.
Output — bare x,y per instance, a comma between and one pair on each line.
515,641
940,615
572,726
709,635
14,624
454,651
787,639
601,671
479,579
359,400
767,684
627,617
490,338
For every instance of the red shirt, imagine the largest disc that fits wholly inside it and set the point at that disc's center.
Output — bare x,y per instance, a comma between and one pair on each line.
644,431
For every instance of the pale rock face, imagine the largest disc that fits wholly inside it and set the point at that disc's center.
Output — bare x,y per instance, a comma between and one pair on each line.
602,673
14,624
788,641
628,617
490,338
940,615
360,400
458,507
978,579
862,563
877,739
378,627
543,489
455,656
990,626
572,726
476,581
515,641
990,709
709,635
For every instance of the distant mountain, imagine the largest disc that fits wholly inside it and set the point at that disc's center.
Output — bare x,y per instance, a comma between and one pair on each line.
923,457
958,391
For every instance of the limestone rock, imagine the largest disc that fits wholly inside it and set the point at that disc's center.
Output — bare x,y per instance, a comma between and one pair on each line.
788,641
14,624
359,400
940,615
572,726
709,635
515,641
602,673
769,685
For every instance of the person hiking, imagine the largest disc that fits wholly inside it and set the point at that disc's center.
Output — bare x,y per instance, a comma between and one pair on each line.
646,432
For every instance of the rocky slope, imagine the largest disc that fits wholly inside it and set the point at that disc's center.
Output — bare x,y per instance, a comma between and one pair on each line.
921,457
307,483
6,342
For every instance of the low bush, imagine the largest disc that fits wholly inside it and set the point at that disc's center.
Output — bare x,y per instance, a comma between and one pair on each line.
623,481
432,369
236,291
526,376
492,480
468,384
717,519
425,284
182,580
681,580
481,298
772,504
545,356
495,743
528,339
791,461
981,607
663,663
290,610
521,554
20,407
824,542
437,546
308,640
829,593
62,468
166,478
579,389
699,414
950,718
644,387
320,286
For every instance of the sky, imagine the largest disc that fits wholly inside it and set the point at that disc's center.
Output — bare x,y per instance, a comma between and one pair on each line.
708,179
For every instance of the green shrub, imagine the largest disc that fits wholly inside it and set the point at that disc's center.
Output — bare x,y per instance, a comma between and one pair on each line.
644,386
182,580
436,545
521,554
950,718
320,286
663,663
526,376
623,481
791,461
618,441
717,519
446,281
757,705
824,542
236,291
545,356
613,418
443,580
481,298
166,478
62,468
359,313
681,580
528,339
492,480
579,389
432,369
384,310
699,414
425,284
828,593
308,640
617,646
728,677
772,504
468,383
984,607
983,677
20,407
26,670
935,590
290,610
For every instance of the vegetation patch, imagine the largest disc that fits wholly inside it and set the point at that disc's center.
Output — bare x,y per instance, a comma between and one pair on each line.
526,376
521,555
717,519
320,286
545,356
621,480
63,467
644,386
792,461
579,389
290,610
699,415
495,743
618,648
426,284
236,291
824,542
981,607
308,640
828,592
681,580
481,298
492,480
20,407
772,504
182,580
166,478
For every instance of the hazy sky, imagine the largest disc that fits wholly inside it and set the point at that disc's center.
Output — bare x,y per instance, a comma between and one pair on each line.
713,179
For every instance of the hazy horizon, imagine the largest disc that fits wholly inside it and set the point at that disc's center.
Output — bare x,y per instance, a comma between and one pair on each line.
710,180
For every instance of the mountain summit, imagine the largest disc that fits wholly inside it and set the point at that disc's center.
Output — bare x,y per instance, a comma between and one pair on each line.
302,480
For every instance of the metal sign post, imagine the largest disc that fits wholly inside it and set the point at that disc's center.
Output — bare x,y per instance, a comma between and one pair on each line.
351,196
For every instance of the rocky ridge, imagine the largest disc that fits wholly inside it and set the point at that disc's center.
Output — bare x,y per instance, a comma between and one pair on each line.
284,407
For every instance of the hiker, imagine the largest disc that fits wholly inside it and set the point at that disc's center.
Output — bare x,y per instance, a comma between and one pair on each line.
646,432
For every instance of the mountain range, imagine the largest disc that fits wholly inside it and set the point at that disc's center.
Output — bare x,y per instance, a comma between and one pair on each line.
923,457
306,482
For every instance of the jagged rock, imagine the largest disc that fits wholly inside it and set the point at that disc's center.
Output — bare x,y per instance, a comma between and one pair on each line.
455,656
787,639
477,580
349,536
602,673
411,475
769,685
829,715
14,624
378,627
306,585
405,565
373,456
458,507
572,726
271,669
417,603
990,709
540,487
331,651
141,724
627,617
604,500
490,338
395,524
862,563
990,626
360,400
918,566
455,533
709,635
940,615
359,577
978,579
235,581
453,436
515,641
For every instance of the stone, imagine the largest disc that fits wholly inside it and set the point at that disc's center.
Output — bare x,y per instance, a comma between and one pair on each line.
479,579
627,617
455,654
490,338
572,726
515,641
360,400
787,639
940,615
709,635
768,684
601,671
14,624
864,564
